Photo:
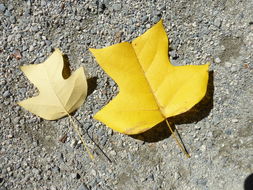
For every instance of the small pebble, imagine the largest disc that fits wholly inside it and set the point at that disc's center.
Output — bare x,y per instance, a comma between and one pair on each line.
7,13
103,140
35,171
177,175
74,175
93,172
16,120
234,68
228,131
116,7
203,148
6,94
228,64
31,48
173,54
197,127
217,22
202,181
2,7
43,3
10,7
113,153
82,187
217,60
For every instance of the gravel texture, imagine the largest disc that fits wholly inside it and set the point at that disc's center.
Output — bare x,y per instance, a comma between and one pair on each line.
218,132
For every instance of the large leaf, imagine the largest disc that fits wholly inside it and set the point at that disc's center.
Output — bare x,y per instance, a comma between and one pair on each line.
151,89
58,96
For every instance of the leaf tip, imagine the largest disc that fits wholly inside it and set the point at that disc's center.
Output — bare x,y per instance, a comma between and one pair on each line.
57,50
160,21
21,103
21,68
206,66
92,50
95,116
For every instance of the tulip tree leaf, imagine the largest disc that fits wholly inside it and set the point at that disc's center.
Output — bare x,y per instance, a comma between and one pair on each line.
151,88
58,96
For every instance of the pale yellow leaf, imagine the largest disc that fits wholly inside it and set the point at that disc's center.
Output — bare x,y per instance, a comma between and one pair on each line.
58,96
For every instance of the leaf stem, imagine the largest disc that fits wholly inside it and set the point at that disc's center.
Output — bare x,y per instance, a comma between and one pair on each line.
75,126
177,141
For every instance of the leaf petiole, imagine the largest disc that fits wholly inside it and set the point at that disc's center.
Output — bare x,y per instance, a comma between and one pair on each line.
75,126
177,141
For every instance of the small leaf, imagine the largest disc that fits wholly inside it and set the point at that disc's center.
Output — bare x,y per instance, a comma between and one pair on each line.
58,96
151,89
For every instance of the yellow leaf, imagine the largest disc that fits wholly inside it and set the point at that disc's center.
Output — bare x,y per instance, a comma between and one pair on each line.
58,96
151,89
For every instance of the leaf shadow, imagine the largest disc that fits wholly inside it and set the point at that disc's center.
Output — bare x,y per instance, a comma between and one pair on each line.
155,134
248,183
92,85
66,67
195,114
66,72
96,144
